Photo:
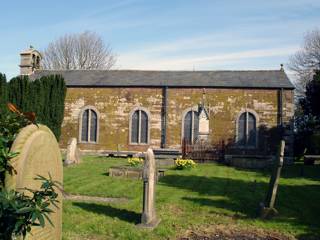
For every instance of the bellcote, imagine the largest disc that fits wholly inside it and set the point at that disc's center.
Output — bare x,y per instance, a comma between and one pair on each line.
30,61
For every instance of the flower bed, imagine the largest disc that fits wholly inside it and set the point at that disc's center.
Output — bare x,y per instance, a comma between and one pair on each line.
182,164
135,161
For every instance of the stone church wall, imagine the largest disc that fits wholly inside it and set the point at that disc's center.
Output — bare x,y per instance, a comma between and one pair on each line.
115,104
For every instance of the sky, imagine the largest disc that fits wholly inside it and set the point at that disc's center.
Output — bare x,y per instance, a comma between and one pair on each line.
165,34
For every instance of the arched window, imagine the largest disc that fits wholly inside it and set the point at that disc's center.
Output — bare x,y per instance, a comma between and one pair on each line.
38,62
89,125
139,132
247,130
191,126
33,61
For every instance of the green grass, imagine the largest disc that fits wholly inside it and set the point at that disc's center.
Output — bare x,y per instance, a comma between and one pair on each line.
207,195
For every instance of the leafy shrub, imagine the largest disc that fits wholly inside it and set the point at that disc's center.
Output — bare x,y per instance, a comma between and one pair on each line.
182,164
135,161
10,125
19,212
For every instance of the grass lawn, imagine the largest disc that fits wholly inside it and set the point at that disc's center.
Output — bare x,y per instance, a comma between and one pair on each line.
210,194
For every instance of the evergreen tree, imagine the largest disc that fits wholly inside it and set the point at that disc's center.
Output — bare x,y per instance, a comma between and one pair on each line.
3,93
51,92
19,92
307,121
310,104
44,96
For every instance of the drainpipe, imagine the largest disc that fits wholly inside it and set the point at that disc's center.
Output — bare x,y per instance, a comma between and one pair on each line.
164,117
280,111
281,106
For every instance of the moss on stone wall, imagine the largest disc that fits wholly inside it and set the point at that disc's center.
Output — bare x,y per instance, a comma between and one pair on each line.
115,105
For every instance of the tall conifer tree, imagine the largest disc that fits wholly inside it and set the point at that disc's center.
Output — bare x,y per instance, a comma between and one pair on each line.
3,92
44,96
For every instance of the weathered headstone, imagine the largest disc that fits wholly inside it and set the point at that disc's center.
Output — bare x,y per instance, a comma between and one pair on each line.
73,153
149,218
267,208
39,154
204,132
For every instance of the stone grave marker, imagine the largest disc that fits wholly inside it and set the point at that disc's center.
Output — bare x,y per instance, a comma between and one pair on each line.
204,132
267,208
39,154
149,218
73,153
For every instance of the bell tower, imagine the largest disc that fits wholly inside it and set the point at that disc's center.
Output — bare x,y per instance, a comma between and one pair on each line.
30,61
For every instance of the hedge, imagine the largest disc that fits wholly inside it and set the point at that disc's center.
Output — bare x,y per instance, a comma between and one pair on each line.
44,96
3,91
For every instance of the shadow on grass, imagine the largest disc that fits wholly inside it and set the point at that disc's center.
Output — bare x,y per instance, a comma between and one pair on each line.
308,236
298,205
298,170
122,214
238,196
223,204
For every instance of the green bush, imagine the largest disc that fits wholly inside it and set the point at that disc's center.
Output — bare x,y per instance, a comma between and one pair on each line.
313,141
19,212
44,96
10,125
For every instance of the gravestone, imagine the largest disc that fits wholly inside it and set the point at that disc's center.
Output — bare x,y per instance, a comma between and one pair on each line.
73,153
267,208
149,218
39,154
204,131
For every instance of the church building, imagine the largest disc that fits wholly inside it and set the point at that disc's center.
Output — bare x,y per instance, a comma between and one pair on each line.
131,110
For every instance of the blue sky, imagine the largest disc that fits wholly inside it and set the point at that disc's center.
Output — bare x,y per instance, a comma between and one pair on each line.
165,34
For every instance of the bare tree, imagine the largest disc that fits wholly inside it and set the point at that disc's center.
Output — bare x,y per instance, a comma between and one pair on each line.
306,60
78,51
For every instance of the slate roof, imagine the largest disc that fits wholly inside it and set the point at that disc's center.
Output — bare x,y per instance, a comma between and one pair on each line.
137,78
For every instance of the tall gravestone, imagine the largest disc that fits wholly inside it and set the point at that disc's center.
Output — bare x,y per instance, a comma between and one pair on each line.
73,153
39,154
204,131
149,217
267,208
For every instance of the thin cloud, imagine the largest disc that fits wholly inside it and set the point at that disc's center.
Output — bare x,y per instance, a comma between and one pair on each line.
137,61
207,42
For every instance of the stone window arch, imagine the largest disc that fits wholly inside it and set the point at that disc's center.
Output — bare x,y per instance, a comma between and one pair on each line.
89,125
139,126
247,123
190,125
